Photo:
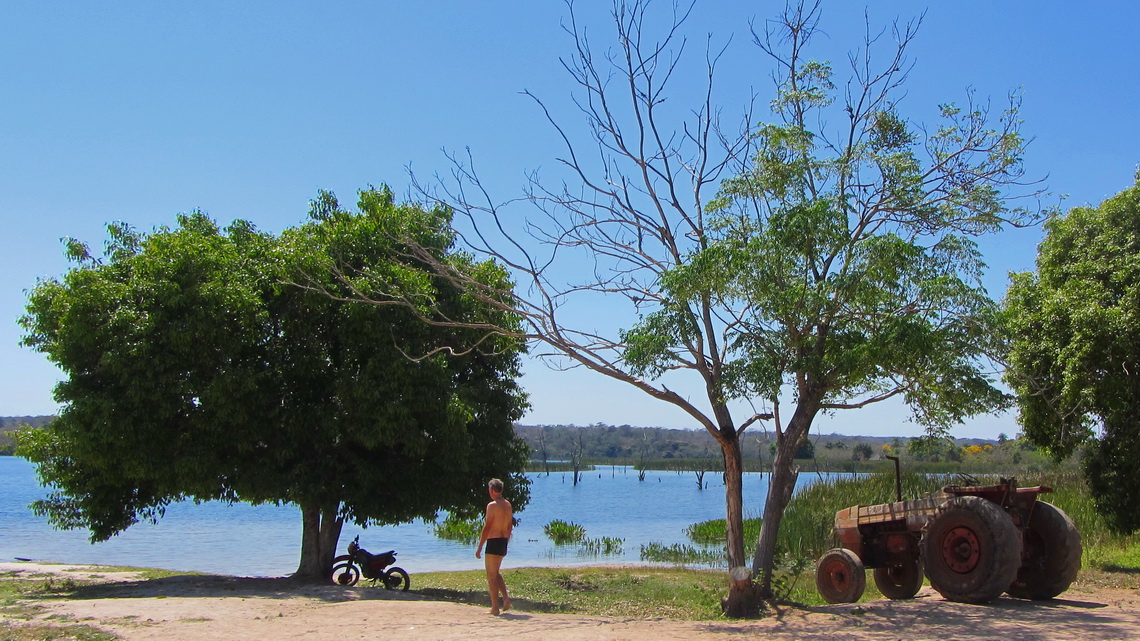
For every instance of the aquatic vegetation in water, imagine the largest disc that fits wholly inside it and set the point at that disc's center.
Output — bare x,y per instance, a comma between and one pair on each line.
681,554
605,546
714,532
563,533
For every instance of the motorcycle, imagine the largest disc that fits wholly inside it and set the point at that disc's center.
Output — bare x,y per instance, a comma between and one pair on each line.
348,568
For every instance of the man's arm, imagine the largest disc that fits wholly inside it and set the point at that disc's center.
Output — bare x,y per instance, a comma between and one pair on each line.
488,520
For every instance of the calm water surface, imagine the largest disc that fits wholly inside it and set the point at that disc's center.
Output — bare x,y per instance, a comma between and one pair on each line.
265,540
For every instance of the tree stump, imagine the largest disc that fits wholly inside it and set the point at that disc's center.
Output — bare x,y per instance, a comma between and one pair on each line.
743,598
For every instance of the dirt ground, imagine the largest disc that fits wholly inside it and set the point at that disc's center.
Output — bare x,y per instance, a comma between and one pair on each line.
200,608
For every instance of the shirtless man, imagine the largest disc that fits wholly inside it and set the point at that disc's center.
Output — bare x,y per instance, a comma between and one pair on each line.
496,533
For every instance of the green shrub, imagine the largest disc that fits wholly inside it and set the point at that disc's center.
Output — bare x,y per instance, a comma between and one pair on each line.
455,528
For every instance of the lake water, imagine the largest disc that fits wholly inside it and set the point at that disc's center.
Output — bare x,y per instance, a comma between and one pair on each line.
265,540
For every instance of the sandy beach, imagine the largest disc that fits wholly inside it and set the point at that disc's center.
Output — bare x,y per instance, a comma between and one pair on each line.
200,608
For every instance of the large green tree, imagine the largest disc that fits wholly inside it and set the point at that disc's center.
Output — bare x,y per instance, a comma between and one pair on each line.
820,262
204,363
1075,357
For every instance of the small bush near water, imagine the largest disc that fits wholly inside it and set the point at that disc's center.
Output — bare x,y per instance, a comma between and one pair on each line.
455,528
563,533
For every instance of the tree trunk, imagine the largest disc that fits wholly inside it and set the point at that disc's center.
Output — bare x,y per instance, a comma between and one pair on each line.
320,531
781,485
734,502
743,596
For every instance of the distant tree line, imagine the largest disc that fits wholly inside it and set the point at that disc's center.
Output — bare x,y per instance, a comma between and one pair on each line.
629,443
7,422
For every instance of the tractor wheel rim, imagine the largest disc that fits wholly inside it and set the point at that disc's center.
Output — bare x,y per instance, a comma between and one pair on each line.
838,575
960,550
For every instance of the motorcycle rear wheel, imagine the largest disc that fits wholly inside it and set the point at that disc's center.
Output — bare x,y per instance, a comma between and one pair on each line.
345,573
397,579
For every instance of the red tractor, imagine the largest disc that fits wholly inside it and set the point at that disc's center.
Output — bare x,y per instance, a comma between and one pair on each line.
972,542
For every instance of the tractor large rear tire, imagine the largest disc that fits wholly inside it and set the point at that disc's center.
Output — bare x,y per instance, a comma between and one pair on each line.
1052,555
840,576
971,550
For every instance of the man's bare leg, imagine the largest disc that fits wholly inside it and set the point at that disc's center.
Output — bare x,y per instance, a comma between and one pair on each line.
495,583
503,590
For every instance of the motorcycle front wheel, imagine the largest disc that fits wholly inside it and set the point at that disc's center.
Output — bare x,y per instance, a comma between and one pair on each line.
397,579
345,573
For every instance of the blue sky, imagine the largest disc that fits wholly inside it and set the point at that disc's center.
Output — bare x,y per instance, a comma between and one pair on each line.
136,111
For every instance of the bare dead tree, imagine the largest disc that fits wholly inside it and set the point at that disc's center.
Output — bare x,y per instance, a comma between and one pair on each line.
635,214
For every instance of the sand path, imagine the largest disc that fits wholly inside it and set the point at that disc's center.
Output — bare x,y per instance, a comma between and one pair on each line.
199,608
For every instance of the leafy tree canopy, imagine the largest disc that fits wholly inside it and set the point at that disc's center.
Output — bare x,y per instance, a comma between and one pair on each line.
834,267
211,363
1075,359
840,260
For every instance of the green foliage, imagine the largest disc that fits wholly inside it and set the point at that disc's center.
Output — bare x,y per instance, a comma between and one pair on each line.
789,573
1075,329
846,259
840,262
563,533
212,363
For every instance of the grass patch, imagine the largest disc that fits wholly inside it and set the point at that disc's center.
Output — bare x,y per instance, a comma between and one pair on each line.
627,592
10,631
143,573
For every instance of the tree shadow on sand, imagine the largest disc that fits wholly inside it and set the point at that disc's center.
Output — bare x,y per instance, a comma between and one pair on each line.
217,586
931,617
208,585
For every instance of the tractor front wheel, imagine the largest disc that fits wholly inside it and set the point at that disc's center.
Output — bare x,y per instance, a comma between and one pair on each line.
971,550
840,577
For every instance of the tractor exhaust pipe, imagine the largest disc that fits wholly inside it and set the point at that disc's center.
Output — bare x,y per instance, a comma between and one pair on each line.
898,478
